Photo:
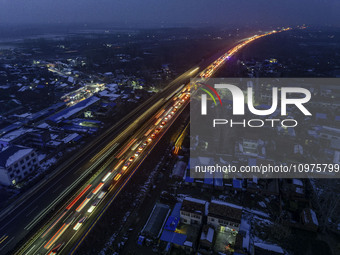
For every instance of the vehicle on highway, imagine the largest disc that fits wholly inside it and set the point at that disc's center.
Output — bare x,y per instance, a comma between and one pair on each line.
126,165
79,223
56,249
131,158
117,177
106,177
86,200
102,194
98,188
137,154
93,206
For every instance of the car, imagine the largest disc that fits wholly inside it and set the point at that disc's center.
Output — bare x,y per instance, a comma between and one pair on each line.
149,139
93,206
137,153
79,223
56,249
140,148
126,165
163,123
147,142
153,135
131,158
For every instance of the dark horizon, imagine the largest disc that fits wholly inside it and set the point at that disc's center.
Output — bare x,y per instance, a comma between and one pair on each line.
152,13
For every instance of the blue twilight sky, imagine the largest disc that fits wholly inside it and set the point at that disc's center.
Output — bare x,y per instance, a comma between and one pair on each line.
170,12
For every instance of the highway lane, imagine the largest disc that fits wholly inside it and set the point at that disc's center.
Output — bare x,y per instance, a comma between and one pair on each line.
27,214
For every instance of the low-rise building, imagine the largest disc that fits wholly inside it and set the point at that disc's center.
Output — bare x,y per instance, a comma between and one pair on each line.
16,163
193,210
224,216
309,219
207,239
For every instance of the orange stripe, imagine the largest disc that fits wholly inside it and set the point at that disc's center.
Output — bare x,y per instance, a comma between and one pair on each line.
119,163
82,204
53,225
98,188
125,148
78,197
148,132
159,114
51,241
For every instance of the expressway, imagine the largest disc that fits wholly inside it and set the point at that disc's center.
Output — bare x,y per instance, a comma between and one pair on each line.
23,217
72,221
110,170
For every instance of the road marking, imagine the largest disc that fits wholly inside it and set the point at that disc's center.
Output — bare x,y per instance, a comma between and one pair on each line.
39,247
61,252
30,250
7,243
102,151
57,188
28,214
9,222
3,238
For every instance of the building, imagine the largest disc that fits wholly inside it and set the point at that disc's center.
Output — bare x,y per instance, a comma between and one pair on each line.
224,216
16,163
193,210
207,239
75,110
309,219
154,225
14,137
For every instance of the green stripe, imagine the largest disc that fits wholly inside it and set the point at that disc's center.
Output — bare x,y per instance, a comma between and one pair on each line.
206,91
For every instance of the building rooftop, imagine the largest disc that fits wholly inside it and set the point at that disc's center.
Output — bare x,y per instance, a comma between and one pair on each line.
207,233
173,237
15,134
225,210
68,112
193,205
13,153
156,220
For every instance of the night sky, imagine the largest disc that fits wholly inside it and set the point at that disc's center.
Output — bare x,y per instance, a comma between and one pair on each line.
171,12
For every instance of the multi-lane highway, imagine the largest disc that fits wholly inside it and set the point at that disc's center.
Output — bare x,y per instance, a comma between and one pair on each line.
73,219
100,176
24,216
